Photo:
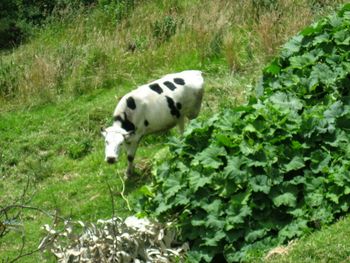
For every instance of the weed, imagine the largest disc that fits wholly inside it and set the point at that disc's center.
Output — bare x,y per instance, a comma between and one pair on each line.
117,9
164,28
80,149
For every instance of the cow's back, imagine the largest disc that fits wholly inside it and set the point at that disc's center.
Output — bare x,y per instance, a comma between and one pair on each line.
160,104
193,92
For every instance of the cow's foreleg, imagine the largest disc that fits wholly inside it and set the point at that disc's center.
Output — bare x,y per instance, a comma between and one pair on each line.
131,150
181,124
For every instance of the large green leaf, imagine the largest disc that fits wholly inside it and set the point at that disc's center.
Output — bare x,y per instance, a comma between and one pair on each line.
292,47
196,180
255,234
295,164
286,101
286,199
210,157
260,183
295,229
235,169
235,217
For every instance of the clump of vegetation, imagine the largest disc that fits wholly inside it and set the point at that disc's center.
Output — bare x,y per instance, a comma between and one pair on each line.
80,149
114,240
261,174
164,28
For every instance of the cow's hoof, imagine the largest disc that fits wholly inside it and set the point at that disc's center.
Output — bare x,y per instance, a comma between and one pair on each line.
129,174
126,176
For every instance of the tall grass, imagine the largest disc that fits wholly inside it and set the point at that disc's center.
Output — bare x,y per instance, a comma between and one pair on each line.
95,49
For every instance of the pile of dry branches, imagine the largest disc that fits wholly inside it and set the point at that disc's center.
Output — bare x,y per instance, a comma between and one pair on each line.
114,240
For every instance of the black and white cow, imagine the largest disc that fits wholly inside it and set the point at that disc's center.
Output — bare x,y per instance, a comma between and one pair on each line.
157,106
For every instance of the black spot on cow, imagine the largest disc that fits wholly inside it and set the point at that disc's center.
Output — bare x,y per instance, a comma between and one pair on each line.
173,109
178,105
126,123
155,87
146,123
117,118
170,85
130,102
179,81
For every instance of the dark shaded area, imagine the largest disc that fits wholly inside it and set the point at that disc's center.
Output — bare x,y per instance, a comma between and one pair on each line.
18,18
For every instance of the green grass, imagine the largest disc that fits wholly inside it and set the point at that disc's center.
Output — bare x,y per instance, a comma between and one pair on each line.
59,89
330,244
37,144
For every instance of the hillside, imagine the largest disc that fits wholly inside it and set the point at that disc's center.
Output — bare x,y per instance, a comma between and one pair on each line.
59,88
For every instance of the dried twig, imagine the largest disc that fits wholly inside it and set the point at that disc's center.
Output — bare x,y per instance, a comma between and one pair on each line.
122,192
9,207
10,218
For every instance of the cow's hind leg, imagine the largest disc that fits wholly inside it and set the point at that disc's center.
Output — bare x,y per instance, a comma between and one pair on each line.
181,125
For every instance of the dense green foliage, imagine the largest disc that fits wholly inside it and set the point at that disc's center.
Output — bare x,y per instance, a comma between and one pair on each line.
272,170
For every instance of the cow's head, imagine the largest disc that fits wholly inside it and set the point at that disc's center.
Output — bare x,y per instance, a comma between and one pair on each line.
114,138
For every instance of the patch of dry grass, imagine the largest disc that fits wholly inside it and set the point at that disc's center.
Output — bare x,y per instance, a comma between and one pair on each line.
91,51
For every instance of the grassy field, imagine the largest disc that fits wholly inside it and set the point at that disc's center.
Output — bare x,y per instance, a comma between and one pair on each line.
57,90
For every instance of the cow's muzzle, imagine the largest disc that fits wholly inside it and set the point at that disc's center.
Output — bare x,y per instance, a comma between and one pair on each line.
111,160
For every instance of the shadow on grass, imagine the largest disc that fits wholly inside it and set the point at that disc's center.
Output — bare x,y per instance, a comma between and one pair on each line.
139,179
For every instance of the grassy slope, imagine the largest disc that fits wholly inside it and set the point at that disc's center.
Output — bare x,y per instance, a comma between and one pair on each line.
331,244
59,148
57,145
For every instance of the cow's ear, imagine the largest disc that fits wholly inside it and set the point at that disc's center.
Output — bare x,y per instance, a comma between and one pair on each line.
103,132
127,135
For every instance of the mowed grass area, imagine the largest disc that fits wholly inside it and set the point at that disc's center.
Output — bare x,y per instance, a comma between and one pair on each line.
61,87
57,149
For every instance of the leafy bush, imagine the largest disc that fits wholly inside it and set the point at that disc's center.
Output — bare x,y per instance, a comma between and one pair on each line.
259,175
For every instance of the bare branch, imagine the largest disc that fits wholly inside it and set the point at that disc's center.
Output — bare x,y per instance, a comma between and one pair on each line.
6,222
9,207
112,198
